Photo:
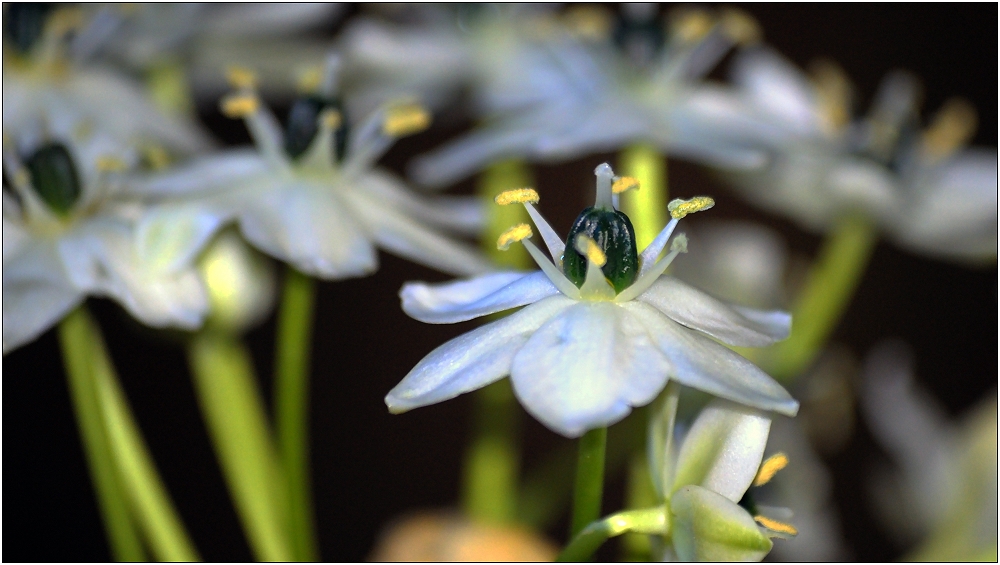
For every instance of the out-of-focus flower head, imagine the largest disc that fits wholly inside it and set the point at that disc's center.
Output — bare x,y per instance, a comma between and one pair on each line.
310,194
927,190
601,332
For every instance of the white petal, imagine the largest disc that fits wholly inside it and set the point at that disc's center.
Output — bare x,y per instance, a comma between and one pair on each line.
709,527
472,360
15,237
723,449
221,171
462,300
459,159
170,237
700,363
586,368
777,87
690,307
462,215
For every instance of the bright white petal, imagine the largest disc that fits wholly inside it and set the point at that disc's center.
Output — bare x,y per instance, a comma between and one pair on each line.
701,363
709,527
723,449
170,237
690,307
776,86
472,360
586,368
462,300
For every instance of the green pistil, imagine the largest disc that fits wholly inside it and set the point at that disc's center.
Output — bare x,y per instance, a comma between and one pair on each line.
54,177
613,233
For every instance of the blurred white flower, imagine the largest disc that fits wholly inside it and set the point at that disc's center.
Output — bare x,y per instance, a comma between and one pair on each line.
943,491
588,87
310,196
602,330
928,193
69,232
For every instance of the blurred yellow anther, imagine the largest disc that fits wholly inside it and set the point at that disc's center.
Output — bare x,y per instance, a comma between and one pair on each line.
769,467
156,156
517,196
691,25
952,127
679,208
622,184
310,79
740,26
241,77
110,164
587,247
331,119
239,105
406,119
589,21
833,93
776,526
512,235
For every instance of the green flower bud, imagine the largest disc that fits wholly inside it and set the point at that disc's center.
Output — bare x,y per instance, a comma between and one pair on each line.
709,527
54,177
613,233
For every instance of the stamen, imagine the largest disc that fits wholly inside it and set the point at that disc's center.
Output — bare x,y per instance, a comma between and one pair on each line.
110,164
679,208
517,196
776,526
952,127
622,184
241,78
310,80
769,467
406,119
512,235
331,119
587,247
833,91
690,25
239,105
740,27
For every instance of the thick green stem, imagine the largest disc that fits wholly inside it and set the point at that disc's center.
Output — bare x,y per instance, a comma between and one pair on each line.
647,206
829,287
291,406
234,414
651,521
589,488
75,341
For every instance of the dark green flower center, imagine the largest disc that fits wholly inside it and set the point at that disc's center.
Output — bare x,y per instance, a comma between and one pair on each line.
23,23
613,233
54,177
303,125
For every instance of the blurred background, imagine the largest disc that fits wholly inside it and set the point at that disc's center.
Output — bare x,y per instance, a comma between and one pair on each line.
370,467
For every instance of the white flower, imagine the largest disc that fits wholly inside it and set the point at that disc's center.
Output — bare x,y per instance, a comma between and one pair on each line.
592,341
570,95
70,232
927,192
311,196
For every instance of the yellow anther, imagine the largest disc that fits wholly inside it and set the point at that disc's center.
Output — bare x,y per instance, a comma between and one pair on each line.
952,127
241,77
587,247
512,235
310,79
517,196
156,156
239,105
833,92
22,178
589,21
331,119
740,26
776,526
622,184
110,164
679,243
406,119
690,25
769,467
679,208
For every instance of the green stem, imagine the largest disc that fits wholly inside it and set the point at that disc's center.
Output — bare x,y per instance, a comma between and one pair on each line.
74,339
829,287
589,488
291,406
234,414
647,206
651,521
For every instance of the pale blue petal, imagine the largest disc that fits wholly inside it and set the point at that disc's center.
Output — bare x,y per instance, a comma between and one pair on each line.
462,300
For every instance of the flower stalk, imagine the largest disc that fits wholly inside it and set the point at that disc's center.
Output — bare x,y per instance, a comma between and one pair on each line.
651,521
589,489
646,207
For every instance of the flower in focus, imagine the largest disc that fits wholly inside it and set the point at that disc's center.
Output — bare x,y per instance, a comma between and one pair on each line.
310,195
69,232
590,86
601,332
926,190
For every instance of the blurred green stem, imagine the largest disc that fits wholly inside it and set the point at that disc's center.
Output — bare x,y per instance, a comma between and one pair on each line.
831,283
650,521
646,206
291,405
234,414
589,487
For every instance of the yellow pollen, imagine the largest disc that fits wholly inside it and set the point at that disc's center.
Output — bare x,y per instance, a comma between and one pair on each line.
22,178
514,234
331,119
776,526
517,196
679,208
952,127
110,164
310,79
691,25
588,247
769,467
406,119
623,184
589,21
239,105
833,91
241,77
740,26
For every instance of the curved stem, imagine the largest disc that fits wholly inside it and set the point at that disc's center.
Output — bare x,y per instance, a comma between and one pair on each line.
291,405
652,521
589,488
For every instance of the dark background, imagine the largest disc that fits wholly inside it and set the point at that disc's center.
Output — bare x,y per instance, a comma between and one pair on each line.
370,466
